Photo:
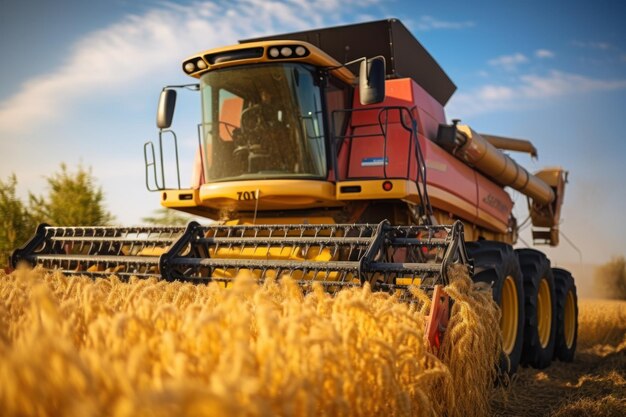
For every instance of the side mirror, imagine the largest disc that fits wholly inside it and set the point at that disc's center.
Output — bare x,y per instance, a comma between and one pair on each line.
372,80
165,112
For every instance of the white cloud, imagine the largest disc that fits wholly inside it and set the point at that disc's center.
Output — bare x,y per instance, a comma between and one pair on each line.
529,89
142,45
508,62
544,53
560,83
592,45
426,23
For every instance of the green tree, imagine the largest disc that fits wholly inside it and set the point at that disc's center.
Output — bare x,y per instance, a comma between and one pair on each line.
167,217
17,225
73,200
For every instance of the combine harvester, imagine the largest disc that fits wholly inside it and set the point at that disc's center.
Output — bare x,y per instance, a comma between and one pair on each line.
319,172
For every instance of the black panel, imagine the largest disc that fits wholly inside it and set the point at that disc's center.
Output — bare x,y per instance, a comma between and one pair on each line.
234,55
405,56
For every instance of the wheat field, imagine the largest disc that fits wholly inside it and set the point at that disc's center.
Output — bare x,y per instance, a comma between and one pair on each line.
79,347
593,385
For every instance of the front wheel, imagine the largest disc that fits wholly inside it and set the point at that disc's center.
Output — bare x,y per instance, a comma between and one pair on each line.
496,263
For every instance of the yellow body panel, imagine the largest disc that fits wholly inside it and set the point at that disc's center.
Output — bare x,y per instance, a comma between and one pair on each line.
274,252
316,57
262,252
268,195
409,281
254,195
180,198
490,222
281,220
373,190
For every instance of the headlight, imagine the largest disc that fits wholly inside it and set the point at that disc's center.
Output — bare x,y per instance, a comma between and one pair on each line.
274,52
287,51
190,67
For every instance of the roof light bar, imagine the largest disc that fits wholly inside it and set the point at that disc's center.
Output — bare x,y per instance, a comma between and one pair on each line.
287,51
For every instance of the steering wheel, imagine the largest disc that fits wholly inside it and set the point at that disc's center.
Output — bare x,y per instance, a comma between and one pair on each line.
248,149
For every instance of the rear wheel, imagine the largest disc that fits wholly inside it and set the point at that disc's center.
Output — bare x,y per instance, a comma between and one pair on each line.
567,315
540,309
496,263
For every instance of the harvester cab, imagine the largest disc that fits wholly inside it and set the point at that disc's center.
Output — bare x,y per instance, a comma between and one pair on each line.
268,120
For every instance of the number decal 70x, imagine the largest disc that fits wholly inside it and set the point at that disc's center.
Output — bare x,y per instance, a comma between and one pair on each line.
246,195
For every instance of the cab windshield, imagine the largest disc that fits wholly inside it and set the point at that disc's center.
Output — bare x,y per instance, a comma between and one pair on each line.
262,121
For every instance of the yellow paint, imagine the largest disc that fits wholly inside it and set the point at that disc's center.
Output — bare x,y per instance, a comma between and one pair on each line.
280,220
510,315
373,190
544,313
277,252
156,251
409,281
570,319
179,198
451,203
314,254
272,195
316,57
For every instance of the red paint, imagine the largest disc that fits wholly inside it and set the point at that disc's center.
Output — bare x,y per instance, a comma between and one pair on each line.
361,155
437,319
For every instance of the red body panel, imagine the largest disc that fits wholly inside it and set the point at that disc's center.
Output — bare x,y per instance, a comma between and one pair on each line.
458,188
230,117
449,174
368,154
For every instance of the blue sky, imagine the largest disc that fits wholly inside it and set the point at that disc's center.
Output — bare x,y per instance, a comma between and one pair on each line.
80,82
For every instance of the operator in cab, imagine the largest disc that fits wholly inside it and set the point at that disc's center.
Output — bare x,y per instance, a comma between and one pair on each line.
264,137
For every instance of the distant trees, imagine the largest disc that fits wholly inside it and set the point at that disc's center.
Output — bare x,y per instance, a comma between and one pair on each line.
610,278
73,199
16,222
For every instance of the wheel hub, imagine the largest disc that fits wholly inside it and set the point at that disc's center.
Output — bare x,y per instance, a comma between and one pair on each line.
544,312
510,315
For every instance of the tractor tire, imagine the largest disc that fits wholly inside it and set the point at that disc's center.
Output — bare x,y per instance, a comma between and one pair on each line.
566,314
540,309
496,263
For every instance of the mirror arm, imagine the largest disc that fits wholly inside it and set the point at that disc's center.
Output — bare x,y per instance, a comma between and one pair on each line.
355,61
191,87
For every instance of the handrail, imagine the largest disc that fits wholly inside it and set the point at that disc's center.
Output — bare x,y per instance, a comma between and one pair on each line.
150,162
408,122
